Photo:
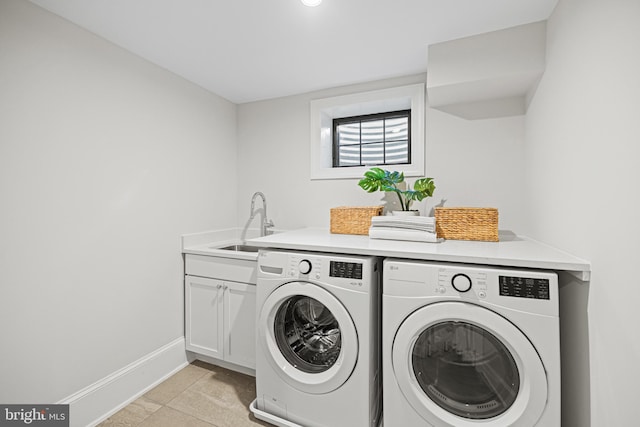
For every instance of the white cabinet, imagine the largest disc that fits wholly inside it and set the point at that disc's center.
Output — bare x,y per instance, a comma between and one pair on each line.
204,316
239,324
220,313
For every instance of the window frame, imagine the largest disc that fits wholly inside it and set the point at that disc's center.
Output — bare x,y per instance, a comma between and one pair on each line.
337,122
323,111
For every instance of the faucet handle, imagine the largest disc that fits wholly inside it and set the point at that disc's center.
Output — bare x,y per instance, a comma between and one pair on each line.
267,224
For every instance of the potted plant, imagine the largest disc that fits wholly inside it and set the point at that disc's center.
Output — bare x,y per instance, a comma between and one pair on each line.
377,179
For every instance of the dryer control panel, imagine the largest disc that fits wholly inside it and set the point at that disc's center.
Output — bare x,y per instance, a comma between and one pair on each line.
473,282
534,291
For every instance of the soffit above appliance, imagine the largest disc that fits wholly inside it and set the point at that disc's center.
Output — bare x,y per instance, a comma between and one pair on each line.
487,75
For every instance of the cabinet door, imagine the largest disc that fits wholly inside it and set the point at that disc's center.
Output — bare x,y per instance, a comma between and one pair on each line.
203,314
240,324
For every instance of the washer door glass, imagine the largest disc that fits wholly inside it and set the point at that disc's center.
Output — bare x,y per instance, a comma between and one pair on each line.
308,337
307,334
462,365
465,370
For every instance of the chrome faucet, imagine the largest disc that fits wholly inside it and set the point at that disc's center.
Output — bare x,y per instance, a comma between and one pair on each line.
266,223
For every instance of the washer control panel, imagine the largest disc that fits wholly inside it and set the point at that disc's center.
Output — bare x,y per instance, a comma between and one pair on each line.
524,287
341,269
358,273
347,270
461,282
304,266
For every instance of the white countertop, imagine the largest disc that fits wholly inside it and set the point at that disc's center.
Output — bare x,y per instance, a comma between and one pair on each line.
511,251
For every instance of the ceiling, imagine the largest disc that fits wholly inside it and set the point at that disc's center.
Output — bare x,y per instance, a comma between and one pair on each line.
249,50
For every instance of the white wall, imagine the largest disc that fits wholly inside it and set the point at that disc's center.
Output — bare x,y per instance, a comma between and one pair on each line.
583,133
474,163
105,160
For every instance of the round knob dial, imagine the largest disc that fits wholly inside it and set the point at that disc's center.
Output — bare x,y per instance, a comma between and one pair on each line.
304,266
461,282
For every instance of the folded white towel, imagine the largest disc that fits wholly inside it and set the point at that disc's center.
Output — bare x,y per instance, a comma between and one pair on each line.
427,228
389,233
411,223
405,219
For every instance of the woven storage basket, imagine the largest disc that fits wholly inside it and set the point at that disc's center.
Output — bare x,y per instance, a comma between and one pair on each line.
353,220
467,223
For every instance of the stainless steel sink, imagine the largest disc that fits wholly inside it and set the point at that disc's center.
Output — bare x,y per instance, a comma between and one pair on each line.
240,248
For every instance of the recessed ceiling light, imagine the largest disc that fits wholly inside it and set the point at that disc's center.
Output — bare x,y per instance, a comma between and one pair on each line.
311,3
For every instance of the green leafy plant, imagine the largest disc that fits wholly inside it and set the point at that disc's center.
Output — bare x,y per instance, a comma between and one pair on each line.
376,179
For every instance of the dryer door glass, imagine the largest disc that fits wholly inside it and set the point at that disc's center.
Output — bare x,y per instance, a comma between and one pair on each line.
307,334
465,370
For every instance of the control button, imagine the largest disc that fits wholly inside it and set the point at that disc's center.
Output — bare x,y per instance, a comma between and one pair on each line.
461,282
304,266
441,290
482,294
318,276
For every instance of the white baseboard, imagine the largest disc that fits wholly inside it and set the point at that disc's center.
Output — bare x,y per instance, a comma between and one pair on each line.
95,403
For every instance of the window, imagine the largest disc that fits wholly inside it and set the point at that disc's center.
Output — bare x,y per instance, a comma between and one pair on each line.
373,139
372,114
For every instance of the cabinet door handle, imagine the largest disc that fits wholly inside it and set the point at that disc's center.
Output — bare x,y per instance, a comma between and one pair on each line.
218,286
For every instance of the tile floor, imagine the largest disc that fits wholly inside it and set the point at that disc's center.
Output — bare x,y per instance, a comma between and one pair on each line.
200,395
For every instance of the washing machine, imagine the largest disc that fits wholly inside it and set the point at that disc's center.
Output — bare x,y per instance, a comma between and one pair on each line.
318,340
467,345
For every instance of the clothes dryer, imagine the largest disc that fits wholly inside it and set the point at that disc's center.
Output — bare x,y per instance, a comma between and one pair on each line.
467,345
318,340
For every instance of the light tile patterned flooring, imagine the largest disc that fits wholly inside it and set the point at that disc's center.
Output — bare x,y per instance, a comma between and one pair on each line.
200,395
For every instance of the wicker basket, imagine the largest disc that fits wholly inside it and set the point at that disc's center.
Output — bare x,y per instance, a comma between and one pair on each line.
353,220
467,223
